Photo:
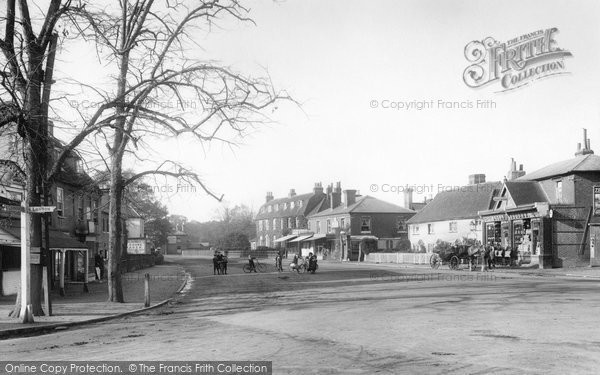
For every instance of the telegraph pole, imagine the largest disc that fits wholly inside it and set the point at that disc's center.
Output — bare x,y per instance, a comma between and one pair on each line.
26,314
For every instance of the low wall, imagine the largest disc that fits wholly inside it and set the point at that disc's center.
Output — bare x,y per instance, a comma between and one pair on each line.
197,253
406,258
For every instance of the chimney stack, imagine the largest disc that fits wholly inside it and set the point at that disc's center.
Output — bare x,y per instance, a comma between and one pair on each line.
586,150
513,173
292,193
408,198
349,198
318,189
329,189
478,178
335,197
269,196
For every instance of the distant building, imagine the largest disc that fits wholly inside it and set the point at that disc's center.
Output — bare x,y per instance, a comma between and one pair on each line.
279,217
346,226
453,214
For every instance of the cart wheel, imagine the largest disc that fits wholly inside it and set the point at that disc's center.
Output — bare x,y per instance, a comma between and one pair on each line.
435,261
454,262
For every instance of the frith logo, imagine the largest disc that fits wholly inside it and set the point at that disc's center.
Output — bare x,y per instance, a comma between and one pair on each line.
514,63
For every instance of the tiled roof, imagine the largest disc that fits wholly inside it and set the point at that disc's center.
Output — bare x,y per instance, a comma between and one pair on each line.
581,163
364,204
461,203
526,192
309,200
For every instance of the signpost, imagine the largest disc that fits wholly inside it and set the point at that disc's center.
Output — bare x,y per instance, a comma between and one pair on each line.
27,257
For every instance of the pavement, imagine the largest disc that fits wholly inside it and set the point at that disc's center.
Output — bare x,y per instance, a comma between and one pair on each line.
78,307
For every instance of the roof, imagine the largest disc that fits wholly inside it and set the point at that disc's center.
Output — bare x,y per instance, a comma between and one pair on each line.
526,192
581,163
462,202
58,240
364,204
309,200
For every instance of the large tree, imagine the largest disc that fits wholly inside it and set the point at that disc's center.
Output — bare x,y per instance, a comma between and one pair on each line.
147,45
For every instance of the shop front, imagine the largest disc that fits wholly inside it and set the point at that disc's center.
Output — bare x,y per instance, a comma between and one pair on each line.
520,235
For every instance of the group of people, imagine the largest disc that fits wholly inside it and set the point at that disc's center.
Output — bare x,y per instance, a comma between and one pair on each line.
219,264
310,263
490,259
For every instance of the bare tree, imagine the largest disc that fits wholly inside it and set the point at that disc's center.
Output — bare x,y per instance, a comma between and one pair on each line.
25,82
160,90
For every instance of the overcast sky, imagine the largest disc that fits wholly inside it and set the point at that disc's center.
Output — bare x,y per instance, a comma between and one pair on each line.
342,58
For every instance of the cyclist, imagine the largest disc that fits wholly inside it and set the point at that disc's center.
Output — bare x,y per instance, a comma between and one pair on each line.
251,263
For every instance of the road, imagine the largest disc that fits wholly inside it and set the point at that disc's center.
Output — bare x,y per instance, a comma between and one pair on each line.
353,319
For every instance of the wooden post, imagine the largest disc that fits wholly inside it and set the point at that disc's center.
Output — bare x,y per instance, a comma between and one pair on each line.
26,313
46,290
147,290
85,273
63,258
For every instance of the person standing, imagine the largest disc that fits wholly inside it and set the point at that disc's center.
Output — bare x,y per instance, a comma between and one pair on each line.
99,265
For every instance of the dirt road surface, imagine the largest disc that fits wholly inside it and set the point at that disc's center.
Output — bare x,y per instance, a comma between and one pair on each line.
353,319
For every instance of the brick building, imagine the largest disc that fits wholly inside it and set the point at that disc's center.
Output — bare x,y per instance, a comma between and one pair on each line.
277,218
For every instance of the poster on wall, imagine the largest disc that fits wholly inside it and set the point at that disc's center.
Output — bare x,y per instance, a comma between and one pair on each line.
596,200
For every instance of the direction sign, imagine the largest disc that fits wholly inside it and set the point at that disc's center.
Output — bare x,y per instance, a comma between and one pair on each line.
12,208
40,209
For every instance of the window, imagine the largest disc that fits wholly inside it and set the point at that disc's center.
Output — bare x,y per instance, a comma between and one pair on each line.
453,227
299,203
269,208
328,225
559,192
80,208
274,238
276,207
365,224
282,223
261,241
318,226
293,204
342,224
285,206
400,225
267,224
415,229
274,224
105,222
309,225
290,223
260,225
268,243
298,222
94,210
430,229
60,201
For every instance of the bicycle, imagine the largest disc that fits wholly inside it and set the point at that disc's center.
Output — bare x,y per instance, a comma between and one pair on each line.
257,267
300,268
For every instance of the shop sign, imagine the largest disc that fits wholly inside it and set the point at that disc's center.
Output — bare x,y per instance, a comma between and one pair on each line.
523,215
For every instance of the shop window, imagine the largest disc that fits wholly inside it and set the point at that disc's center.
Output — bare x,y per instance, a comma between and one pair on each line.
365,224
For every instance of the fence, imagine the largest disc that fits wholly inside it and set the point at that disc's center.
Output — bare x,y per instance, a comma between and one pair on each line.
403,258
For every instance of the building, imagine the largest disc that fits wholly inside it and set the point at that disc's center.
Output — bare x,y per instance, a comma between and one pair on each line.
278,218
546,214
453,214
346,226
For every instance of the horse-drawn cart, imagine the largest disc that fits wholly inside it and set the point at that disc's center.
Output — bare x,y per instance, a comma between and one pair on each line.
454,256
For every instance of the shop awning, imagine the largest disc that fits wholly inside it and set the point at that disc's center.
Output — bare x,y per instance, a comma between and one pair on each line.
283,239
302,238
361,238
59,240
316,237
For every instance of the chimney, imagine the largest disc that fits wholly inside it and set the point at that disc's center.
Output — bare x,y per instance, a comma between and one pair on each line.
318,189
269,196
329,189
408,198
349,198
292,193
335,197
513,173
586,150
478,178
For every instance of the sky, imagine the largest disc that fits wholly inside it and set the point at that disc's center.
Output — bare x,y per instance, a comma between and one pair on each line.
347,61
